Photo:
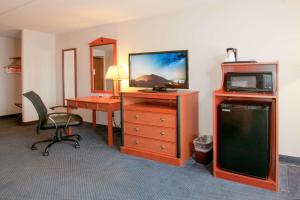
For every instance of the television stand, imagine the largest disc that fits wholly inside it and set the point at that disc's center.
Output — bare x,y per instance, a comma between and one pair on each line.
159,126
157,89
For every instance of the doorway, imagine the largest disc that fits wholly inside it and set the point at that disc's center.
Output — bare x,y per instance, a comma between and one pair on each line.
98,72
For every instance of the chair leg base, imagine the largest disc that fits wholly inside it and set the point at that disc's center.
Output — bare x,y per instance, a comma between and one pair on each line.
79,138
57,139
46,153
33,147
76,143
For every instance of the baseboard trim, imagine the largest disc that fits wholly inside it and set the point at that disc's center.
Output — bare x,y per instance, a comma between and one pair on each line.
289,159
10,116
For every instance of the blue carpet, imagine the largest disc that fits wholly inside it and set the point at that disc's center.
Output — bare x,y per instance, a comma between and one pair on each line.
96,171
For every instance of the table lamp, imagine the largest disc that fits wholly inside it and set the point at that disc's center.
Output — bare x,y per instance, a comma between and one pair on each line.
116,73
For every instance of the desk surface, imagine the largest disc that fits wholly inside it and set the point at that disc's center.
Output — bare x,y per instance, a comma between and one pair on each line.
95,99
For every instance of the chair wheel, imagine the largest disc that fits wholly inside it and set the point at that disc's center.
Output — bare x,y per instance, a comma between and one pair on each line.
33,148
76,146
46,153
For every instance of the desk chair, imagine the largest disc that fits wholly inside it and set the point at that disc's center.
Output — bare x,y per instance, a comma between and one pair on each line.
60,121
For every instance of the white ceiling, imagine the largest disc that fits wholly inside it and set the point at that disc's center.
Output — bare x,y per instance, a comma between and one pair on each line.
58,16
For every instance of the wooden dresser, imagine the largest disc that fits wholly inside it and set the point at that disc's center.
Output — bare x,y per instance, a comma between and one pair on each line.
159,126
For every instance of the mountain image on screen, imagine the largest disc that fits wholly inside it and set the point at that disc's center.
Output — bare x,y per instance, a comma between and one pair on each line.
150,80
158,70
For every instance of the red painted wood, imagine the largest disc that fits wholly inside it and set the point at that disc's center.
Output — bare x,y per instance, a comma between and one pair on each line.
152,156
110,128
159,133
266,184
160,107
95,99
94,103
150,118
102,41
244,94
94,117
146,144
159,95
69,131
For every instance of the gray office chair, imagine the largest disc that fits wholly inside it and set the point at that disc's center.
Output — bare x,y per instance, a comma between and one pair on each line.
60,121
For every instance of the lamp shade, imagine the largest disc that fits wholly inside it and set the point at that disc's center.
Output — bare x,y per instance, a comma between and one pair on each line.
115,72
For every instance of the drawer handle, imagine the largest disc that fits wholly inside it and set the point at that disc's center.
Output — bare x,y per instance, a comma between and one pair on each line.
162,147
136,129
136,142
162,119
162,133
136,116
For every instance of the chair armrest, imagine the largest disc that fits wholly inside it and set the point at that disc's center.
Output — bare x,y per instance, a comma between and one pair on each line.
61,113
53,107
49,116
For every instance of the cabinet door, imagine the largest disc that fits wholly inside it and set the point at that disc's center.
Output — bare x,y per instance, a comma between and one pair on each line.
244,139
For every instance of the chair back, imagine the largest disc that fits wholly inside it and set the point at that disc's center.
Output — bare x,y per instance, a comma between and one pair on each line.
39,106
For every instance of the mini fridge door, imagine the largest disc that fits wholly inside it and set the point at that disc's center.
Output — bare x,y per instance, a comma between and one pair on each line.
243,145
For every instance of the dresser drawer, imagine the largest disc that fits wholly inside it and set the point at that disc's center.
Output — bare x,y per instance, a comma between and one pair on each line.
160,133
148,118
156,146
87,105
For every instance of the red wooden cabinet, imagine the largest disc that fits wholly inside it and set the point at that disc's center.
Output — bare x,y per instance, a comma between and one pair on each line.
221,95
159,126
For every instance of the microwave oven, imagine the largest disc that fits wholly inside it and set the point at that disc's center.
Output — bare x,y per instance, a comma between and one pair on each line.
249,81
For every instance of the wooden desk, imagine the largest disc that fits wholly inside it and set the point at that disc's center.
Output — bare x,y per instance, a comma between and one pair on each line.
95,103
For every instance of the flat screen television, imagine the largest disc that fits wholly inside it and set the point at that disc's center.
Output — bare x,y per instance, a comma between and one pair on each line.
159,70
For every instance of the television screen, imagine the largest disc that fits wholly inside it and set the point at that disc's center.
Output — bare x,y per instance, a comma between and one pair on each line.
159,69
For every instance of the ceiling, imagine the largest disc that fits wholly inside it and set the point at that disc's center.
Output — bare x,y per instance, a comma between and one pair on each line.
59,16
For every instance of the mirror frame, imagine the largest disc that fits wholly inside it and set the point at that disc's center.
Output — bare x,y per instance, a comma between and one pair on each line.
63,71
99,42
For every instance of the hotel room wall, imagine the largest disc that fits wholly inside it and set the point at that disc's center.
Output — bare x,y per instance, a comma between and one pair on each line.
39,71
262,30
10,84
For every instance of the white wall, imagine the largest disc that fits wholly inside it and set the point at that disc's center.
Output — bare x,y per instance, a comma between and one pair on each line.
10,84
38,61
69,73
266,30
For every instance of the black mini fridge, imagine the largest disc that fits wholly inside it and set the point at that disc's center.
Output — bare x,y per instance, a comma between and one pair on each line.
243,132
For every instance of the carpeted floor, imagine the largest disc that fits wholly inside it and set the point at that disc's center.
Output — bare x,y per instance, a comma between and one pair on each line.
96,171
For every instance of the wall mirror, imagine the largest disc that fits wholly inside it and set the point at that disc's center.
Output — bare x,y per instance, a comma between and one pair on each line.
69,76
103,53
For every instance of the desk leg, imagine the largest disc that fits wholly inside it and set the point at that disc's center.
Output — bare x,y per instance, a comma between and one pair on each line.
69,131
94,118
110,128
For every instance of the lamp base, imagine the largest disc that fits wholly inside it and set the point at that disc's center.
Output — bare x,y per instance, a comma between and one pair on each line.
116,89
